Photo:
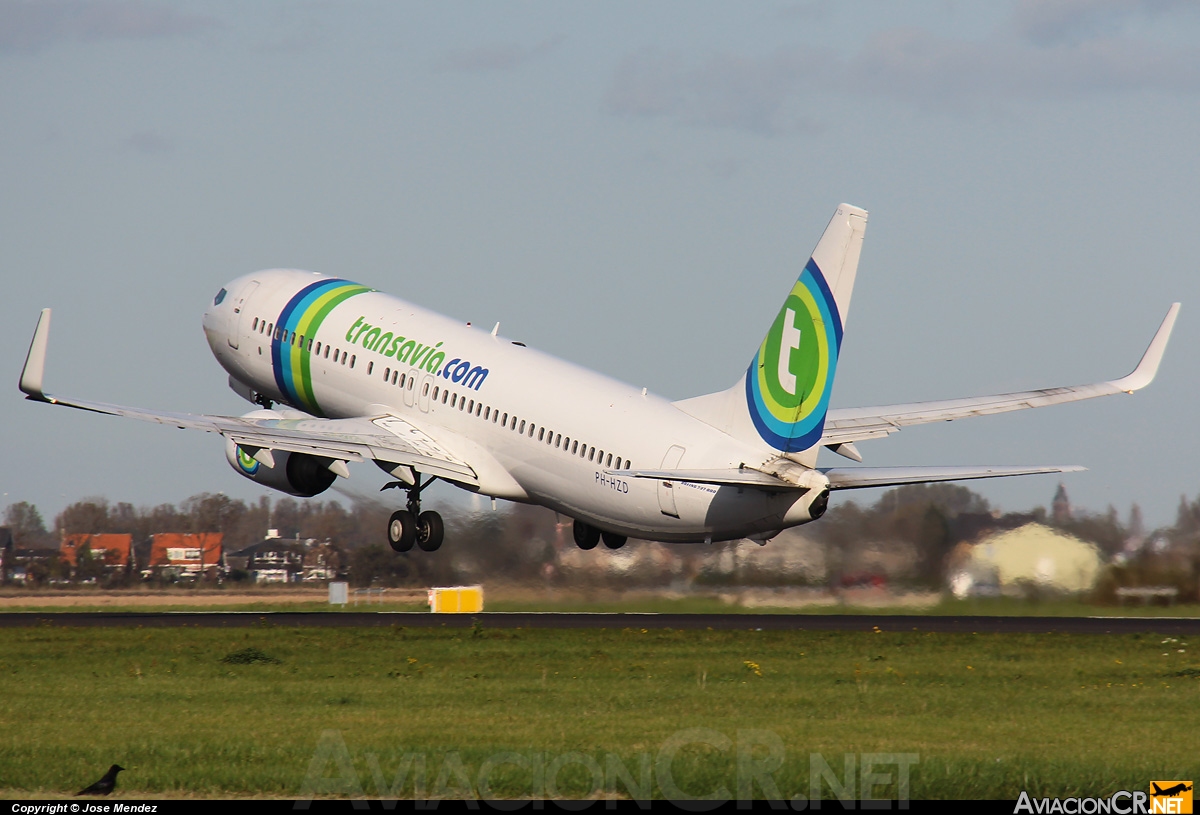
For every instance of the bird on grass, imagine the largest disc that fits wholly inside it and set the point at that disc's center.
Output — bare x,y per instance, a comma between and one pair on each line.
106,784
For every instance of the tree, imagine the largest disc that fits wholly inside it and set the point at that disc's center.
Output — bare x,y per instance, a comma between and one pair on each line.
28,529
87,517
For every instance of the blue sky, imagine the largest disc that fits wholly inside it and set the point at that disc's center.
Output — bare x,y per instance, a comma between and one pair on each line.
630,186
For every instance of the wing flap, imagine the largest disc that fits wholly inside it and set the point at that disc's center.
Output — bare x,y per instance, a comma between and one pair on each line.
859,424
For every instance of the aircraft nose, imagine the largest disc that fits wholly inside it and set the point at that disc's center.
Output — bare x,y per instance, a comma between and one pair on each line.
216,316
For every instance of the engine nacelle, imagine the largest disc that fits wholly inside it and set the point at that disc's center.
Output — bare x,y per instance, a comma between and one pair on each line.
296,474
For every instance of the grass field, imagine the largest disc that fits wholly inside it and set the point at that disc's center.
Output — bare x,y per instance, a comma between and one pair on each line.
985,715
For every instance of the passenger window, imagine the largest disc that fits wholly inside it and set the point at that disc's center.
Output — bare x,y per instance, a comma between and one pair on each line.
344,355
352,360
412,382
479,409
471,406
271,329
387,372
402,378
285,335
541,434
600,457
504,419
574,447
513,424
425,390
592,454
255,326
558,440
435,393
310,342
462,404
318,349
609,462
531,430
522,430
453,399
370,365
445,396
487,413
326,352
299,340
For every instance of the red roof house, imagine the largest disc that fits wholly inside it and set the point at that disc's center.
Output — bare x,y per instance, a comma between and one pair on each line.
112,549
186,553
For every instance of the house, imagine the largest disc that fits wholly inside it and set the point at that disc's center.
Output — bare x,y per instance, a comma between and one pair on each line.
273,560
176,554
109,552
1011,562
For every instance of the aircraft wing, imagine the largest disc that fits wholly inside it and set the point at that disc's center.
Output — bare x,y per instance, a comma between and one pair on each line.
857,424
856,478
381,438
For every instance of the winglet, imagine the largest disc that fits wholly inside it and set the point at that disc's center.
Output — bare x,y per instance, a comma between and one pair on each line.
1144,373
35,362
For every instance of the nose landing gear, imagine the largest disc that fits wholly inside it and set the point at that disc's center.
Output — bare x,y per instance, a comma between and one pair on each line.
411,525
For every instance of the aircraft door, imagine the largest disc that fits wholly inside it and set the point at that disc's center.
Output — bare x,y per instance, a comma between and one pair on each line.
239,310
666,489
426,385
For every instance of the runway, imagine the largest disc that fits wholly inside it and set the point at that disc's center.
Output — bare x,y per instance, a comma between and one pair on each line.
722,622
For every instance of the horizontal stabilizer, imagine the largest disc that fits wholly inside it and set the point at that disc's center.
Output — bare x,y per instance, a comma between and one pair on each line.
855,478
733,477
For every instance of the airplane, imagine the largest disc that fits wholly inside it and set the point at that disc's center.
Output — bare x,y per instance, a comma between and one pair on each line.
343,373
1170,792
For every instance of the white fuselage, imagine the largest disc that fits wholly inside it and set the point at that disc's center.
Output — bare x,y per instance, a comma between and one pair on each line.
553,427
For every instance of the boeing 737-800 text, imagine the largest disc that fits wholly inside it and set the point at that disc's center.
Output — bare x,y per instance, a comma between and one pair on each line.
343,373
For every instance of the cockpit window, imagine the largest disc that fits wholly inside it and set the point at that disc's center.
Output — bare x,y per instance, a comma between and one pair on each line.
220,296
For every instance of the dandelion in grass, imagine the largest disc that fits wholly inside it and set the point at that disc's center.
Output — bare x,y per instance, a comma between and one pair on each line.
753,667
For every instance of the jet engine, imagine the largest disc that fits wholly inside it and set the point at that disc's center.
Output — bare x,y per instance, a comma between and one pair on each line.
298,474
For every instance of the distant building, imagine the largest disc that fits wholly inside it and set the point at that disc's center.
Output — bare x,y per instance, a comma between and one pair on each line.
1013,561
270,561
1061,508
177,555
114,552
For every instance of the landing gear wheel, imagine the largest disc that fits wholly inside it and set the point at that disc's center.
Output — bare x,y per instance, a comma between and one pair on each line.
402,531
586,537
613,541
430,531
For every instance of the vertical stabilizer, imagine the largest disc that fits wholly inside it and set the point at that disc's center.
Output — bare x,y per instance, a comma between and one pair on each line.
783,397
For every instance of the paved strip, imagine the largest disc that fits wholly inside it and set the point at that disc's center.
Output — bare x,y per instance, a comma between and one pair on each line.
494,619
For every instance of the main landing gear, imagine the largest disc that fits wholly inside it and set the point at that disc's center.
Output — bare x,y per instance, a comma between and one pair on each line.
411,525
587,536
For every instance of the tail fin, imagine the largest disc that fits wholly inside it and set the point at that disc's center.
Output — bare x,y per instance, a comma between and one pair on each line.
784,395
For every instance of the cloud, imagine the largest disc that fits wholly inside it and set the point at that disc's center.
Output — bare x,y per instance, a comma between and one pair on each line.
1049,22
147,142
721,91
495,57
31,25
770,95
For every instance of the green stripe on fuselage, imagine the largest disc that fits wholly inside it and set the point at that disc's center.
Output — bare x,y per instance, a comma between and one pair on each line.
309,324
